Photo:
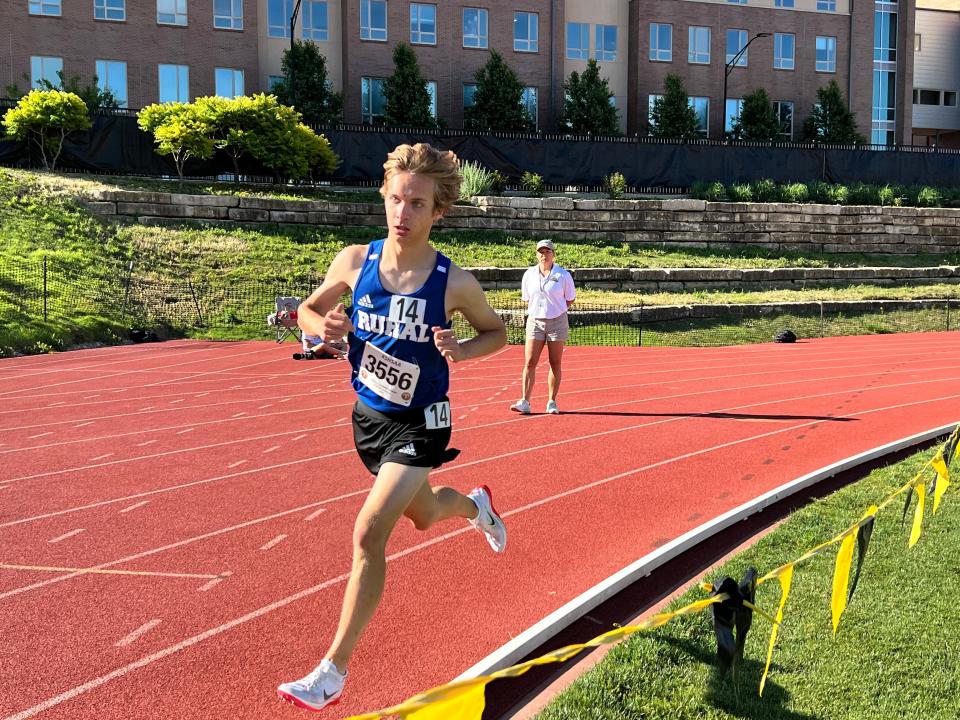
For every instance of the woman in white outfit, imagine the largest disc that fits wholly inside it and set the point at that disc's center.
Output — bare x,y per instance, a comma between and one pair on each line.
549,291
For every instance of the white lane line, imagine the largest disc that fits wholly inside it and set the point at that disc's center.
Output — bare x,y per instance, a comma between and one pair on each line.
147,442
135,506
174,402
100,457
299,437
276,541
239,414
185,431
271,449
89,422
462,417
91,397
44,434
240,462
146,627
215,581
147,407
315,514
263,407
65,535
204,394
56,404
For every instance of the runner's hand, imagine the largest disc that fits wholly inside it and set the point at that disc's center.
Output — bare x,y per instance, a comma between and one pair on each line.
447,343
336,324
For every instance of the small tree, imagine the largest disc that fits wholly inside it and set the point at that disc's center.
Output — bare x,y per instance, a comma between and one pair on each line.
305,85
587,107
498,102
831,120
758,120
46,118
671,115
179,131
405,92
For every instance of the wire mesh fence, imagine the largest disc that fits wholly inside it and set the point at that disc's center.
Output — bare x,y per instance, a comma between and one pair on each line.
53,289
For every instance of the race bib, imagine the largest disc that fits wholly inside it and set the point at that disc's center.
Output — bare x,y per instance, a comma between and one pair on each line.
437,415
389,377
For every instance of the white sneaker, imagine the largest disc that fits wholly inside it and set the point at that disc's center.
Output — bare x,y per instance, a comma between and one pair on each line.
487,520
521,406
552,408
322,687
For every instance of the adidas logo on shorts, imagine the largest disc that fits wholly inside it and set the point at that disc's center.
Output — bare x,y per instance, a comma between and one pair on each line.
408,449
365,301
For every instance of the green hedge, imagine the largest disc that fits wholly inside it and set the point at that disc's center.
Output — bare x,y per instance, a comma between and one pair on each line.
826,193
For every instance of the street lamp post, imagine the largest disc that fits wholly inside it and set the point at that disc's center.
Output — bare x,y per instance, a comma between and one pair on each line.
729,69
293,27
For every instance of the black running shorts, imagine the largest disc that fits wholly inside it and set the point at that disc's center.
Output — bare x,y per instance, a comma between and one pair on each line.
402,438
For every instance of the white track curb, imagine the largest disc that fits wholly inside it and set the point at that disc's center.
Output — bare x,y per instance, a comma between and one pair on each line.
556,621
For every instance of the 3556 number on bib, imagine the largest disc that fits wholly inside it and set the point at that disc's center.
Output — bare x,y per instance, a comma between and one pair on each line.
389,377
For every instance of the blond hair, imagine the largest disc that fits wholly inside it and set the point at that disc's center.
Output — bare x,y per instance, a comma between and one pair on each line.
424,159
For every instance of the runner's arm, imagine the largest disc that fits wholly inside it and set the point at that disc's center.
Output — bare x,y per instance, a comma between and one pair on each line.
466,295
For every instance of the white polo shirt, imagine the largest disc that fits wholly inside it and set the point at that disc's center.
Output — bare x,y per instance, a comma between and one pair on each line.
548,295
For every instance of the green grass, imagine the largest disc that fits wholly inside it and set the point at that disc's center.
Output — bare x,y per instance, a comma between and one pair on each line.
894,656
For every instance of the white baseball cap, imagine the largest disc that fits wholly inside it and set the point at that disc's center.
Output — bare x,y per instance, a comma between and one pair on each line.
546,244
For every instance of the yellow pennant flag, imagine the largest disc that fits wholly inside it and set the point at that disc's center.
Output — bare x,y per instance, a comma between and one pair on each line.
841,577
464,703
786,580
943,478
921,490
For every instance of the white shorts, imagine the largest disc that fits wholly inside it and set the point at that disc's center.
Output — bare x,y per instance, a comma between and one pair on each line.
550,330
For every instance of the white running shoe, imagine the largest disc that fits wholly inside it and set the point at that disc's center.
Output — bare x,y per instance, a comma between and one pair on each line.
322,687
487,520
521,406
552,408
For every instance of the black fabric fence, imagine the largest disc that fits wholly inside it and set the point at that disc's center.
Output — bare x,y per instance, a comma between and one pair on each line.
116,145
53,290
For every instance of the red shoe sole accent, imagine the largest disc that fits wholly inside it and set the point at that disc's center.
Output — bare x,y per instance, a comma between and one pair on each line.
490,495
300,704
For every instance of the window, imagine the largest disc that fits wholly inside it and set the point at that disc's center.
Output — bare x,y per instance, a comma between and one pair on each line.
737,41
916,43
432,92
112,76
45,68
110,9
826,54
229,82
529,102
827,5
784,46
734,107
738,2
578,41
885,95
926,97
278,18
372,100
783,3
651,101
273,81
172,12
525,33
784,111
701,106
475,28
44,7
174,83
885,36
949,98
661,42
228,14
315,26
605,47
373,20
469,95
882,136
699,52
423,24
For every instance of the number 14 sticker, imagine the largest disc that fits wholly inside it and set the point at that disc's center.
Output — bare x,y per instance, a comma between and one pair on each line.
437,415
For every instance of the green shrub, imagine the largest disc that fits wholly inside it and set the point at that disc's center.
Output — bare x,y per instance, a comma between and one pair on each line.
863,194
498,182
740,192
910,195
476,180
532,183
839,194
888,195
951,197
929,197
46,118
819,192
615,185
178,131
765,191
709,191
795,193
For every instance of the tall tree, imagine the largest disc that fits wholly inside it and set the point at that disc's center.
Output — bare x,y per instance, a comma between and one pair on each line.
671,115
407,101
306,87
498,102
586,107
758,120
831,120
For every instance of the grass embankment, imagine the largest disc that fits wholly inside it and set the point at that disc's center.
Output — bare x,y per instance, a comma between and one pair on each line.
894,655
40,217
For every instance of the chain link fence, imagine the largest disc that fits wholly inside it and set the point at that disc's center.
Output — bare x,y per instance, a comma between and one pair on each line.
53,289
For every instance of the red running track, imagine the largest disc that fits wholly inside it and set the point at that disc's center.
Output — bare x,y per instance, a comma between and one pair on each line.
209,491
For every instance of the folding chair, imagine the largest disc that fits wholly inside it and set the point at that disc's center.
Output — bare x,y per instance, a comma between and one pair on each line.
285,318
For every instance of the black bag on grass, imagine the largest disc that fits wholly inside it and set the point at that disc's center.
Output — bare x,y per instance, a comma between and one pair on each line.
785,336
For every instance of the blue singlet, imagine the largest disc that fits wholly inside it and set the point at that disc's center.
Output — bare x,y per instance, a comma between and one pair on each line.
396,365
